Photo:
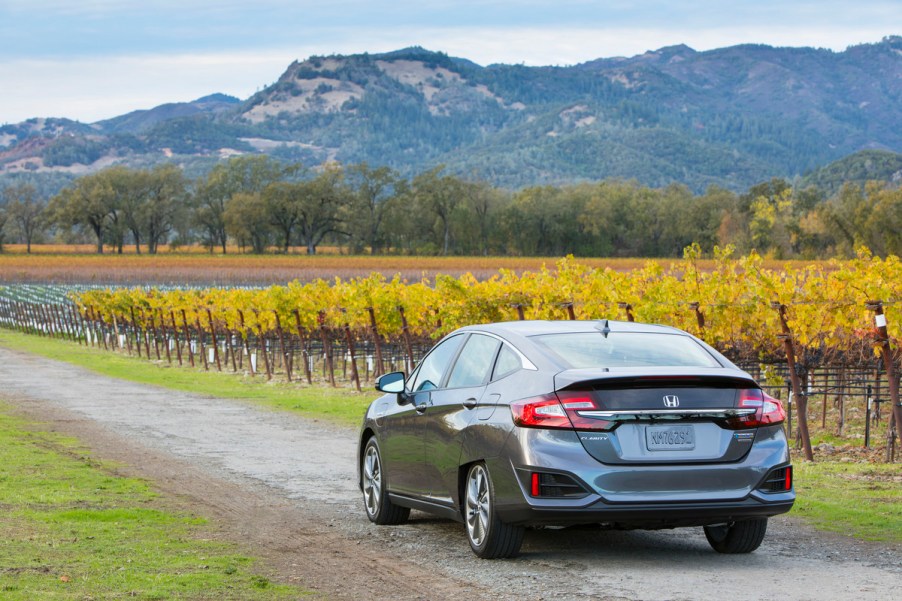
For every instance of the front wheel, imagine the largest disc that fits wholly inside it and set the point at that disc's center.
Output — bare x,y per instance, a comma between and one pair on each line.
379,508
489,537
737,537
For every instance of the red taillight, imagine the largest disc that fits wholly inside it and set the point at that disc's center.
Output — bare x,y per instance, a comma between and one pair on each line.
540,412
560,411
768,410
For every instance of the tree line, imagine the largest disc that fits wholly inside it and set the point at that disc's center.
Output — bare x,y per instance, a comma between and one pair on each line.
263,205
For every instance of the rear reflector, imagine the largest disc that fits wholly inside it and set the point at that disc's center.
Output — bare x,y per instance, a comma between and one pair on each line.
779,480
544,484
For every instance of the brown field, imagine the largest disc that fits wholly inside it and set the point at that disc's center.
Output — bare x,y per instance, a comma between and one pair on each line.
78,264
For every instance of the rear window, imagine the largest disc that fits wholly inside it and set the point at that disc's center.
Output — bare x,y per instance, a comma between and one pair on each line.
625,349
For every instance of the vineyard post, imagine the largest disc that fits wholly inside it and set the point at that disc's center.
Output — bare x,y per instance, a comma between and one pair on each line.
128,340
350,342
377,343
187,338
116,344
26,319
153,329
327,347
98,320
303,341
200,341
175,334
262,341
406,330
281,334
230,342
789,409
79,325
145,335
70,324
213,338
699,316
54,313
571,314
21,322
520,314
64,333
802,399
48,317
892,381
81,321
247,347
135,325
48,323
42,319
39,319
26,322
867,418
629,311
31,320
167,338
32,311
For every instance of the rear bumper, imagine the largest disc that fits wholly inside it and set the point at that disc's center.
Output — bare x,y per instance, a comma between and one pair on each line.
648,516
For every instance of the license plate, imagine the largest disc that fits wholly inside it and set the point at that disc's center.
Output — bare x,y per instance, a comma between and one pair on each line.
670,438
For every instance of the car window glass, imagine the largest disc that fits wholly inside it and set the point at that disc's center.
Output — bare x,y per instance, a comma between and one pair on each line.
433,367
625,349
475,361
507,363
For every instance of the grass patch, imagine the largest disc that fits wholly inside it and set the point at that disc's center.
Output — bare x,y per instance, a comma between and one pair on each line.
73,530
339,405
863,500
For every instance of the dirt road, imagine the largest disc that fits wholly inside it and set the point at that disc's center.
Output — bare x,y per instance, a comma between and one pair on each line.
284,487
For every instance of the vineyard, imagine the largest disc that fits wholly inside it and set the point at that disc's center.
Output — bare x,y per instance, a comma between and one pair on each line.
806,331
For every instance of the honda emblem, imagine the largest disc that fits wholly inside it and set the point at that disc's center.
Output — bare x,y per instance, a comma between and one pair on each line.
671,400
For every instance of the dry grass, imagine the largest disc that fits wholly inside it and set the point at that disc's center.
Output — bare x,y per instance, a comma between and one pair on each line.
64,264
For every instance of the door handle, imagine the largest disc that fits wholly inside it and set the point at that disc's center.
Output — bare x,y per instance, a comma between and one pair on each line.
421,408
470,403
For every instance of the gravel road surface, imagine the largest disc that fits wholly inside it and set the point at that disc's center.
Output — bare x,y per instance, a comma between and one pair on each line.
284,487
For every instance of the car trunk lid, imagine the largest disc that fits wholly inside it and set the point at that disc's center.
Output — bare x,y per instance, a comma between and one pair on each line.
657,416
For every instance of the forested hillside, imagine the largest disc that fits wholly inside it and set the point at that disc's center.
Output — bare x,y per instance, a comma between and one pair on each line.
731,117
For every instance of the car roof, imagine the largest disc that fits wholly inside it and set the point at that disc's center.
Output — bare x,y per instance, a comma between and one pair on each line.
539,327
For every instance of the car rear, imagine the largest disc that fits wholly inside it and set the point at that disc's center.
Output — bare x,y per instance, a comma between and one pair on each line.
647,428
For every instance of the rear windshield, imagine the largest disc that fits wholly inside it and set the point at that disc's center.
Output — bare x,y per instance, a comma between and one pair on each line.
625,349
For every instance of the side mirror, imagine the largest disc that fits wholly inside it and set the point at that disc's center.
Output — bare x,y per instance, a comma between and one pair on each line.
392,383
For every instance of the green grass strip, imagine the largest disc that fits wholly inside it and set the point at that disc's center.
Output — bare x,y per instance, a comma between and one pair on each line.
863,500
339,405
71,529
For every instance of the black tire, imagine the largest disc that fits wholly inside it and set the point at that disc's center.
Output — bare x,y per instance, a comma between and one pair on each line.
489,537
379,508
737,537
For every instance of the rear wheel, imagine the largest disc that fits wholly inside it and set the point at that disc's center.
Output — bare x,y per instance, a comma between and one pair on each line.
737,537
489,537
379,508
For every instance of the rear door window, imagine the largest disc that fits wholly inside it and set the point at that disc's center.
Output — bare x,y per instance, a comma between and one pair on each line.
475,362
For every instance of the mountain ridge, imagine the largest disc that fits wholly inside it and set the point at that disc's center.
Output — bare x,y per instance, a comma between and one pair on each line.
730,117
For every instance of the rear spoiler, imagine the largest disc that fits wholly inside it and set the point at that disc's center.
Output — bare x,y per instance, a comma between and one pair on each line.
652,377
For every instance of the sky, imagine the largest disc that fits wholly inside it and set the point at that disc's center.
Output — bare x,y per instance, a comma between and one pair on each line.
94,59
